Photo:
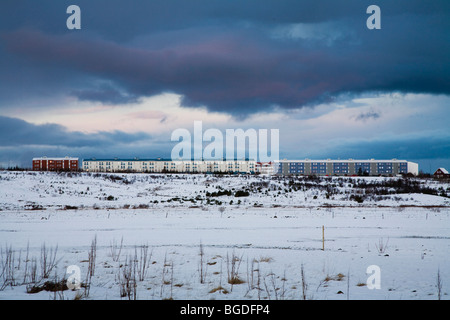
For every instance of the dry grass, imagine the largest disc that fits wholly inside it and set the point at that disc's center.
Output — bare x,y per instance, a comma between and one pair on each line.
219,288
338,277
360,284
265,259
235,280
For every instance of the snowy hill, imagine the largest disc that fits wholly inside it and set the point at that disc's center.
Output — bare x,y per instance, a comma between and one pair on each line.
42,190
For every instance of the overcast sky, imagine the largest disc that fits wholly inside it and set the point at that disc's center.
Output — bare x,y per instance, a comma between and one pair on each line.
137,70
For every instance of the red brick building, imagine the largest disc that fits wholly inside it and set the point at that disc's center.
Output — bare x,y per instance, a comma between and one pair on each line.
55,164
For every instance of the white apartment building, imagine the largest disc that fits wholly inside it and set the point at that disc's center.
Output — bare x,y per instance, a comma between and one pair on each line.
167,165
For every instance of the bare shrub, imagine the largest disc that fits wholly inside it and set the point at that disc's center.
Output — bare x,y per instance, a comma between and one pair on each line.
381,246
142,261
48,260
275,288
304,284
33,271
7,267
233,265
115,250
439,284
164,280
202,266
92,255
127,279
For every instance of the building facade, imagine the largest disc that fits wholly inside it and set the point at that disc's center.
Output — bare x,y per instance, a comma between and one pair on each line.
441,173
167,165
55,164
265,168
283,167
349,167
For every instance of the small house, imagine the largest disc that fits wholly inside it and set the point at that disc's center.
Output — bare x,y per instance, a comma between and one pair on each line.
441,173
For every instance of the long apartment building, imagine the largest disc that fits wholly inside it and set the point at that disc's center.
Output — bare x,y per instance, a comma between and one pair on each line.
283,167
349,167
168,165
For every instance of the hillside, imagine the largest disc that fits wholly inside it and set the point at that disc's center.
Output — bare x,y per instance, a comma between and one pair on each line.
44,190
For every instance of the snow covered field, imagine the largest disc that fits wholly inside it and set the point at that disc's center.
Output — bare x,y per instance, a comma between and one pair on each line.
191,237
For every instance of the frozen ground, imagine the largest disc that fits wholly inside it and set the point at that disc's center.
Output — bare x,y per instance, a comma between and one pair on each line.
172,237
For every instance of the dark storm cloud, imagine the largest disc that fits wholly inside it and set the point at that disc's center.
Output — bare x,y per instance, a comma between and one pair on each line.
231,56
116,19
419,147
16,132
105,94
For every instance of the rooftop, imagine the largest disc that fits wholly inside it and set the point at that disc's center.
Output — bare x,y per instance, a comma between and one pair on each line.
343,160
55,158
159,159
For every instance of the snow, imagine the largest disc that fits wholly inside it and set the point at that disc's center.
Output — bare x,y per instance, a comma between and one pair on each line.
269,235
